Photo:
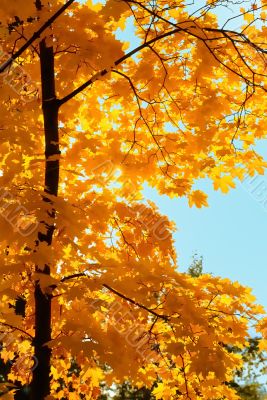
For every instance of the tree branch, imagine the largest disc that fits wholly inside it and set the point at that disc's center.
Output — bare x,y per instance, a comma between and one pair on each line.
164,317
177,29
224,33
105,71
17,329
35,36
121,295
67,278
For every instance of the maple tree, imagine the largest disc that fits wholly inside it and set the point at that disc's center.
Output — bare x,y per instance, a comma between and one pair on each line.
88,267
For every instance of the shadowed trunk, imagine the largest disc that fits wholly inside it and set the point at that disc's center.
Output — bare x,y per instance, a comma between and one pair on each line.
40,386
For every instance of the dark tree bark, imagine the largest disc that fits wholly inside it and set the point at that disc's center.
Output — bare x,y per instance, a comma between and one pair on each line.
40,386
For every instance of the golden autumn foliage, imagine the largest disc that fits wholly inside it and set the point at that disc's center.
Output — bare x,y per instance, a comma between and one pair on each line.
182,99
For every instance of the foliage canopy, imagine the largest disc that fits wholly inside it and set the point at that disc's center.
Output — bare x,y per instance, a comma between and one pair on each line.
88,267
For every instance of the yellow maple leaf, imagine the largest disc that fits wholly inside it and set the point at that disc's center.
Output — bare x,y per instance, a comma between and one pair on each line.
198,199
224,183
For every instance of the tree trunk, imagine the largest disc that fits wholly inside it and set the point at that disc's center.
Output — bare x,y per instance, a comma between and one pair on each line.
40,386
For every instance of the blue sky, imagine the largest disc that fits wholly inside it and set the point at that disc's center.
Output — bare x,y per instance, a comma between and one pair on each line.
230,234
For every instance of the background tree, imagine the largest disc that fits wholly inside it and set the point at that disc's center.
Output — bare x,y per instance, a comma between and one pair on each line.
85,123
